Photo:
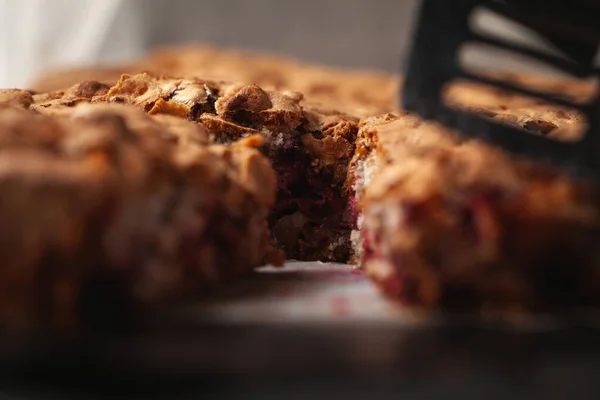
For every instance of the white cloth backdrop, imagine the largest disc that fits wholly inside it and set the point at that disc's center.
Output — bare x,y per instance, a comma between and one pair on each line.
38,34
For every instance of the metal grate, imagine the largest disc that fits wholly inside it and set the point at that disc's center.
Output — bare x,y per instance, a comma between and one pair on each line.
570,26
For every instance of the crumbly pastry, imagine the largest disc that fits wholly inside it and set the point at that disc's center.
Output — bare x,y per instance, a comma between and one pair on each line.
357,92
360,93
447,224
103,204
309,147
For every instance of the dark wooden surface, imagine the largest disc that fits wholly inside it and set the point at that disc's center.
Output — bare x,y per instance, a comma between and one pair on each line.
193,353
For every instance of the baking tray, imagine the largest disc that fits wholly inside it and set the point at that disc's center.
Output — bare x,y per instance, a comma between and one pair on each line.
310,330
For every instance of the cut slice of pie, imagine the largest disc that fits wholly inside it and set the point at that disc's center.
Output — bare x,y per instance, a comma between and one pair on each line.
104,206
452,225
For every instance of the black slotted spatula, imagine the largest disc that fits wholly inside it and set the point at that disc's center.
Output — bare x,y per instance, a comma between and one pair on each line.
571,27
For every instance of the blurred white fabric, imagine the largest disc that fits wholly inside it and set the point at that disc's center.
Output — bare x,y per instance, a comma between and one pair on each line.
39,34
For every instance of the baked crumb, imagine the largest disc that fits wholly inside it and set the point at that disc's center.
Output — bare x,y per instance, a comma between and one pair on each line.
309,148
